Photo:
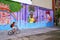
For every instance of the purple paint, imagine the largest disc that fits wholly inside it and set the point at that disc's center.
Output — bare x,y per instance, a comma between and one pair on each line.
39,13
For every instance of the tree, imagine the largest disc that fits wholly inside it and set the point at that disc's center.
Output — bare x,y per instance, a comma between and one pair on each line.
57,16
14,6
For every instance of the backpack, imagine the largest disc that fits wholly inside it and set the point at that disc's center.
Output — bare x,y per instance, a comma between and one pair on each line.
12,25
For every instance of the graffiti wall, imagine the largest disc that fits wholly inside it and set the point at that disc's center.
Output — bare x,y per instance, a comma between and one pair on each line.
35,17
29,16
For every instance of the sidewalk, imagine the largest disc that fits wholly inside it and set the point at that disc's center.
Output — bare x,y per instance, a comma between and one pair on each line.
26,32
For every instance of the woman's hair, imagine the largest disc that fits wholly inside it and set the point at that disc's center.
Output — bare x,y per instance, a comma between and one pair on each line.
48,12
13,22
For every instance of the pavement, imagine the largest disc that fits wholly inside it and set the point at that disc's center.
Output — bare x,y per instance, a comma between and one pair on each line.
26,33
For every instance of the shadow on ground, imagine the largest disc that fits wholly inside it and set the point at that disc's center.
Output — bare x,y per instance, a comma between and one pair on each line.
53,35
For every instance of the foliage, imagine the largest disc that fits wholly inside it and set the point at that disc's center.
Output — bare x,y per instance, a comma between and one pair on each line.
5,0
57,15
14,6
57,12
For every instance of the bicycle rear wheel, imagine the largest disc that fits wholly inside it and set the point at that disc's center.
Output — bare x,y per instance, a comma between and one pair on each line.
18,31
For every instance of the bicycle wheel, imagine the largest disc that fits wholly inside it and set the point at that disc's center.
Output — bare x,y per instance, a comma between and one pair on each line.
10,32
18,31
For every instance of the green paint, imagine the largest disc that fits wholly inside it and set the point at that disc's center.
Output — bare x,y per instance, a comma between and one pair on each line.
14,6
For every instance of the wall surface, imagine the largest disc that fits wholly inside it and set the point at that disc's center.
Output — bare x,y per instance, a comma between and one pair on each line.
26,18
43,3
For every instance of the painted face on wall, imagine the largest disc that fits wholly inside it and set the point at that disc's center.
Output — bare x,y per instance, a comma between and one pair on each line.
31,15
32,19
48,15
49,18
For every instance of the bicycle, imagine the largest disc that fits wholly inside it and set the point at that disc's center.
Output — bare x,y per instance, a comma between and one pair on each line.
16,32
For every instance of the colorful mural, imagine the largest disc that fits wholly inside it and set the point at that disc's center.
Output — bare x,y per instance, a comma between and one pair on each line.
36,17
4,14
29,16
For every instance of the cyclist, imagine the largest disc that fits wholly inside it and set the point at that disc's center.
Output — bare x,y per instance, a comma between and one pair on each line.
13,27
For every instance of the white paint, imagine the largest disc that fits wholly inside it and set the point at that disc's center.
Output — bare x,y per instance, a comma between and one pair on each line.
24,1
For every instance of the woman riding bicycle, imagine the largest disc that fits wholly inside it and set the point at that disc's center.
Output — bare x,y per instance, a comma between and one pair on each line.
14,30
13,27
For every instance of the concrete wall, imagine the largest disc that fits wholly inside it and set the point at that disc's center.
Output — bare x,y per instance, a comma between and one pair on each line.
43,3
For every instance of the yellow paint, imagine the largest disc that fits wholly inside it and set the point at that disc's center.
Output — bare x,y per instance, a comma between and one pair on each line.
31,20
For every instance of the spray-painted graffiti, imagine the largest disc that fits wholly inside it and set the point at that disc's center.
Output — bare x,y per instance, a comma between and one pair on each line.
4,17
4,14
27,17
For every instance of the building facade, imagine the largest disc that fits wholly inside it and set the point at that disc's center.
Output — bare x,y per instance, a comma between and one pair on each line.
31,16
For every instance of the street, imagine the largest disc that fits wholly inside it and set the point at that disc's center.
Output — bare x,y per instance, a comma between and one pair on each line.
33,34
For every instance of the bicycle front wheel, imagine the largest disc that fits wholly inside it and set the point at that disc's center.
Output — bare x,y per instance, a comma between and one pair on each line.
10,32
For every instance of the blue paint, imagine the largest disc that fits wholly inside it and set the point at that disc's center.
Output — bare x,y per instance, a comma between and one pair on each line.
21,25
